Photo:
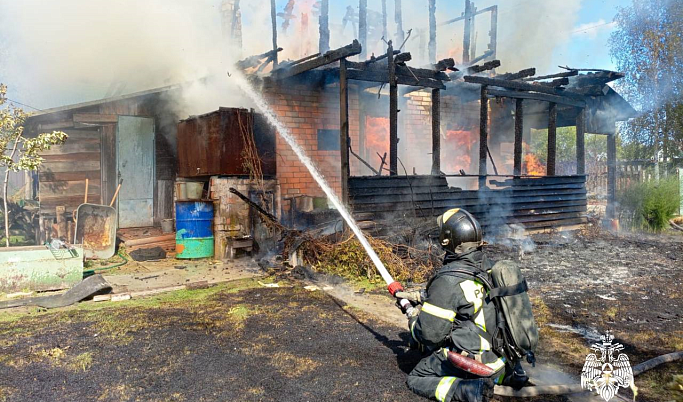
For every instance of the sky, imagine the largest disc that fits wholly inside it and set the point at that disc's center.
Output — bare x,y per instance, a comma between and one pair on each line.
589,38
68,51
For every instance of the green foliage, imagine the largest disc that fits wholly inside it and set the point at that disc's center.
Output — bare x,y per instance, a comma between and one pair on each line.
12,140
647,45
651,204
595,145
16,151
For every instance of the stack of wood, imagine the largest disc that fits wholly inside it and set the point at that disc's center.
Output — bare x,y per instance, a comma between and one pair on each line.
144,238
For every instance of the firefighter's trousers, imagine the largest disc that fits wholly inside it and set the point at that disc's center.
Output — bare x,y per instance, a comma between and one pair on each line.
436,378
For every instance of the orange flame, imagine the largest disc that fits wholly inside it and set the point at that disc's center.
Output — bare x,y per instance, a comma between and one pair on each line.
532,165
456,152
376,137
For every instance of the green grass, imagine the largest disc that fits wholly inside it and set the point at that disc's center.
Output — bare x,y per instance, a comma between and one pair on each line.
184,297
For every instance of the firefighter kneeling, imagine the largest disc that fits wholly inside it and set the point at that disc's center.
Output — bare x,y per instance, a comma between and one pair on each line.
463,323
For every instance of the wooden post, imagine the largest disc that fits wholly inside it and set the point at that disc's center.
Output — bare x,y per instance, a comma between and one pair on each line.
344,130
273,20
483,135
610,212
680,190
552,138
393,112
432,31
580,142
467,34
324,27
473,33
519,131
363,27
384,19
398,18
493,34
362,116
62,227
436,131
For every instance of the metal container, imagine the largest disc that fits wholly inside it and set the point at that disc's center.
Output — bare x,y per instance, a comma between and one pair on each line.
194,190
39,268
194,236
167,225
96,230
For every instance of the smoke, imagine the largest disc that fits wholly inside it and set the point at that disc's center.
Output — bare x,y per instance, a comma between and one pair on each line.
56,53
70,51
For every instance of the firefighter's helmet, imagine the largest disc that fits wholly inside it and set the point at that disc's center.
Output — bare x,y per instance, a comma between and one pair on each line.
456,227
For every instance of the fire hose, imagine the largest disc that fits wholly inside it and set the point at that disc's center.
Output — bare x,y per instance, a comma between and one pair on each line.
564,389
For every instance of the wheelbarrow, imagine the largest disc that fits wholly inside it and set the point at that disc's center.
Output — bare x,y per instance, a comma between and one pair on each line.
96,228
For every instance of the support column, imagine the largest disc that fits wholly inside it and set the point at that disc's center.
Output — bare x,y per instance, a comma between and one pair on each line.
273,20
384,19
483,135
552,138
610,212
363,28
432,31
436,131
493,34
398,18
393,112
519,128
344,130
581,142
680,190
324,28
362,114
467,34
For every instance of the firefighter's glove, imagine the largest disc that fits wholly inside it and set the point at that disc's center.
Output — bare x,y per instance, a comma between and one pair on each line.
415,312
415,297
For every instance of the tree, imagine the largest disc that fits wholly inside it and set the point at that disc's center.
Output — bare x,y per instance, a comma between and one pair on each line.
647,45
18,151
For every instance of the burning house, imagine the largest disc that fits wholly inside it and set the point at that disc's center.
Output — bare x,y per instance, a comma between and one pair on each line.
391,138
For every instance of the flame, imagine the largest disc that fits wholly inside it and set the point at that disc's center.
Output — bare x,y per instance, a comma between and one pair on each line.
456,151
376,137
532,165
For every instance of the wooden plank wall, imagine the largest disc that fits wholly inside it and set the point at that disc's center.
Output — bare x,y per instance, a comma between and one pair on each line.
91,152
63,173
537,203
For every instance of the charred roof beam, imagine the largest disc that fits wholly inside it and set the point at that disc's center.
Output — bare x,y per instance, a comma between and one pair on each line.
523,86
562,100
329,57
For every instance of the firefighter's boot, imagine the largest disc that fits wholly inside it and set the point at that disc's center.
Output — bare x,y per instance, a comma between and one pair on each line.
479,390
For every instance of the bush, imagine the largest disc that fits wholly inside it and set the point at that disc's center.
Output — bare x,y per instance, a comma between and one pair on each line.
651,204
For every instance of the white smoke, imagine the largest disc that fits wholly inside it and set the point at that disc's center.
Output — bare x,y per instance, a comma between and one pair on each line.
68,51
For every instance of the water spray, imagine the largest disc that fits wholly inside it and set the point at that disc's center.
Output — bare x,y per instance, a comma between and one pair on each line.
392,285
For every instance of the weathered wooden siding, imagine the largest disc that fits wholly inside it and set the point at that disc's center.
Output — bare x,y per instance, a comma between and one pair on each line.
63,173
95,157
537,203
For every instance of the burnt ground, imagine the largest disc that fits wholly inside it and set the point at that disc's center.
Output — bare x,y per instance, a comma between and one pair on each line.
262,344
241,341
585,283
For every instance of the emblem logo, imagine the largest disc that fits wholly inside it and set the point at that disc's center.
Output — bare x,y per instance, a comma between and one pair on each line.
606,374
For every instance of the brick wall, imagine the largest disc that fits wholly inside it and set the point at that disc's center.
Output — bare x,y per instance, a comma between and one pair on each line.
304,110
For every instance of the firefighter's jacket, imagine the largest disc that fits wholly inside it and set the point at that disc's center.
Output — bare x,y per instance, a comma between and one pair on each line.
455,303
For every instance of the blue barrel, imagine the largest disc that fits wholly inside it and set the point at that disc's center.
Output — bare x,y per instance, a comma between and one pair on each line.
194,237
195,217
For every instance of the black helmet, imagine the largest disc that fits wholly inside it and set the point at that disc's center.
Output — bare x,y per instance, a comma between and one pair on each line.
458,226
